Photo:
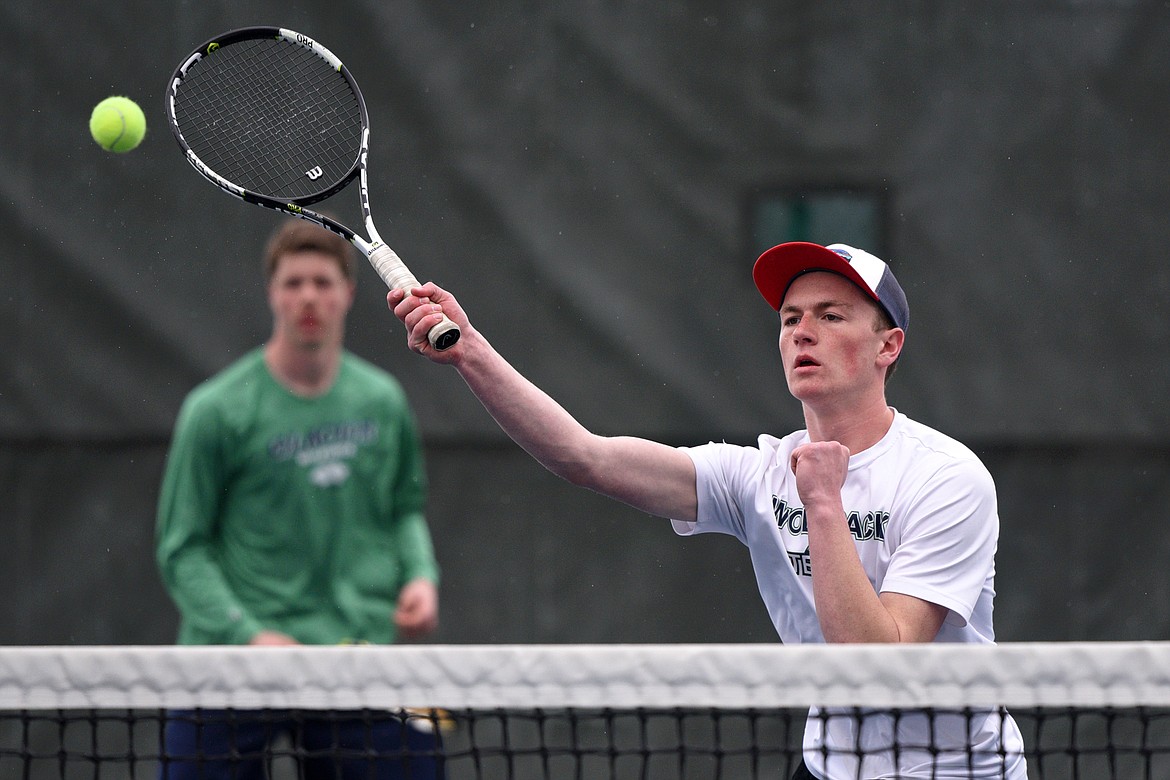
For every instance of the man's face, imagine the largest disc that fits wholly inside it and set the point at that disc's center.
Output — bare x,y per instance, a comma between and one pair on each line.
309,297
828,340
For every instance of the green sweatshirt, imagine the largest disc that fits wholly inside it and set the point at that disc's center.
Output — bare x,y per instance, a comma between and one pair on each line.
304,516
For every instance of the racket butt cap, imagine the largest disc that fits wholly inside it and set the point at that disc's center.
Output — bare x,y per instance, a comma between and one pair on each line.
444,335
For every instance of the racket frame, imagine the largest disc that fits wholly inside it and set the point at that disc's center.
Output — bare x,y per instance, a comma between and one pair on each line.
385,260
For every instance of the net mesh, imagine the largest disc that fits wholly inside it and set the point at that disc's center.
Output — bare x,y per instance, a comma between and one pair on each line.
572,711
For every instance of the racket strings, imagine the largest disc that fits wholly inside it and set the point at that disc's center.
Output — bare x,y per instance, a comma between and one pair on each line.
272,117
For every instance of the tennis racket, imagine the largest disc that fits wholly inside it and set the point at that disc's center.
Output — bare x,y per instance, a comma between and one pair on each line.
274,118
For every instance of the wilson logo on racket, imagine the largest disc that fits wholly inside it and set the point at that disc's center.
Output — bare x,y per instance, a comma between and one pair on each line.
314,173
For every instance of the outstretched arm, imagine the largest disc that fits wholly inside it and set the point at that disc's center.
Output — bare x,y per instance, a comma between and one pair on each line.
647,475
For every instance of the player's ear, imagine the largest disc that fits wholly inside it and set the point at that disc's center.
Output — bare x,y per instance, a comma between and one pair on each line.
891,346
270,292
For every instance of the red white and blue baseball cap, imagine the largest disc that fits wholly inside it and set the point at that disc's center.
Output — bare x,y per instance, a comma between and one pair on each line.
776,269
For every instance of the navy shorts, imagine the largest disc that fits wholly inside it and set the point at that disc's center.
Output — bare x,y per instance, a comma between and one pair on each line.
215,744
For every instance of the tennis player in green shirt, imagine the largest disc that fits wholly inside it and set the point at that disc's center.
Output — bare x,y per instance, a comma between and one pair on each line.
292,512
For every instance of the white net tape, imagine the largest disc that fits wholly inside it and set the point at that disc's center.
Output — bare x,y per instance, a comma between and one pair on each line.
1125,674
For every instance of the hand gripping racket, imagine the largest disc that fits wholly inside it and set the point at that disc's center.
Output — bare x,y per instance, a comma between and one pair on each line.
274,118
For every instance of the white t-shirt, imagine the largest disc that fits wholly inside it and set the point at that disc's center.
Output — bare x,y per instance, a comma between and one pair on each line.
922,511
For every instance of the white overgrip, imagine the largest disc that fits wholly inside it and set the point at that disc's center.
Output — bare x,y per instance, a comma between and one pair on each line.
398,277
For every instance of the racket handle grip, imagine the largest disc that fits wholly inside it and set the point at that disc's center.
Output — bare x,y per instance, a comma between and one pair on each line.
395,274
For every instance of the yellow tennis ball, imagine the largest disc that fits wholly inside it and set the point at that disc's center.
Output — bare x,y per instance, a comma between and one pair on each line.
117,124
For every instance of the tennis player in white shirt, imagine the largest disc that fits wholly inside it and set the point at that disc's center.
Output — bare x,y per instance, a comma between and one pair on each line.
866,526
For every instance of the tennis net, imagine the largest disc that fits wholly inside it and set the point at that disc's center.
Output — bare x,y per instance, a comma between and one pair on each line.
1085,710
